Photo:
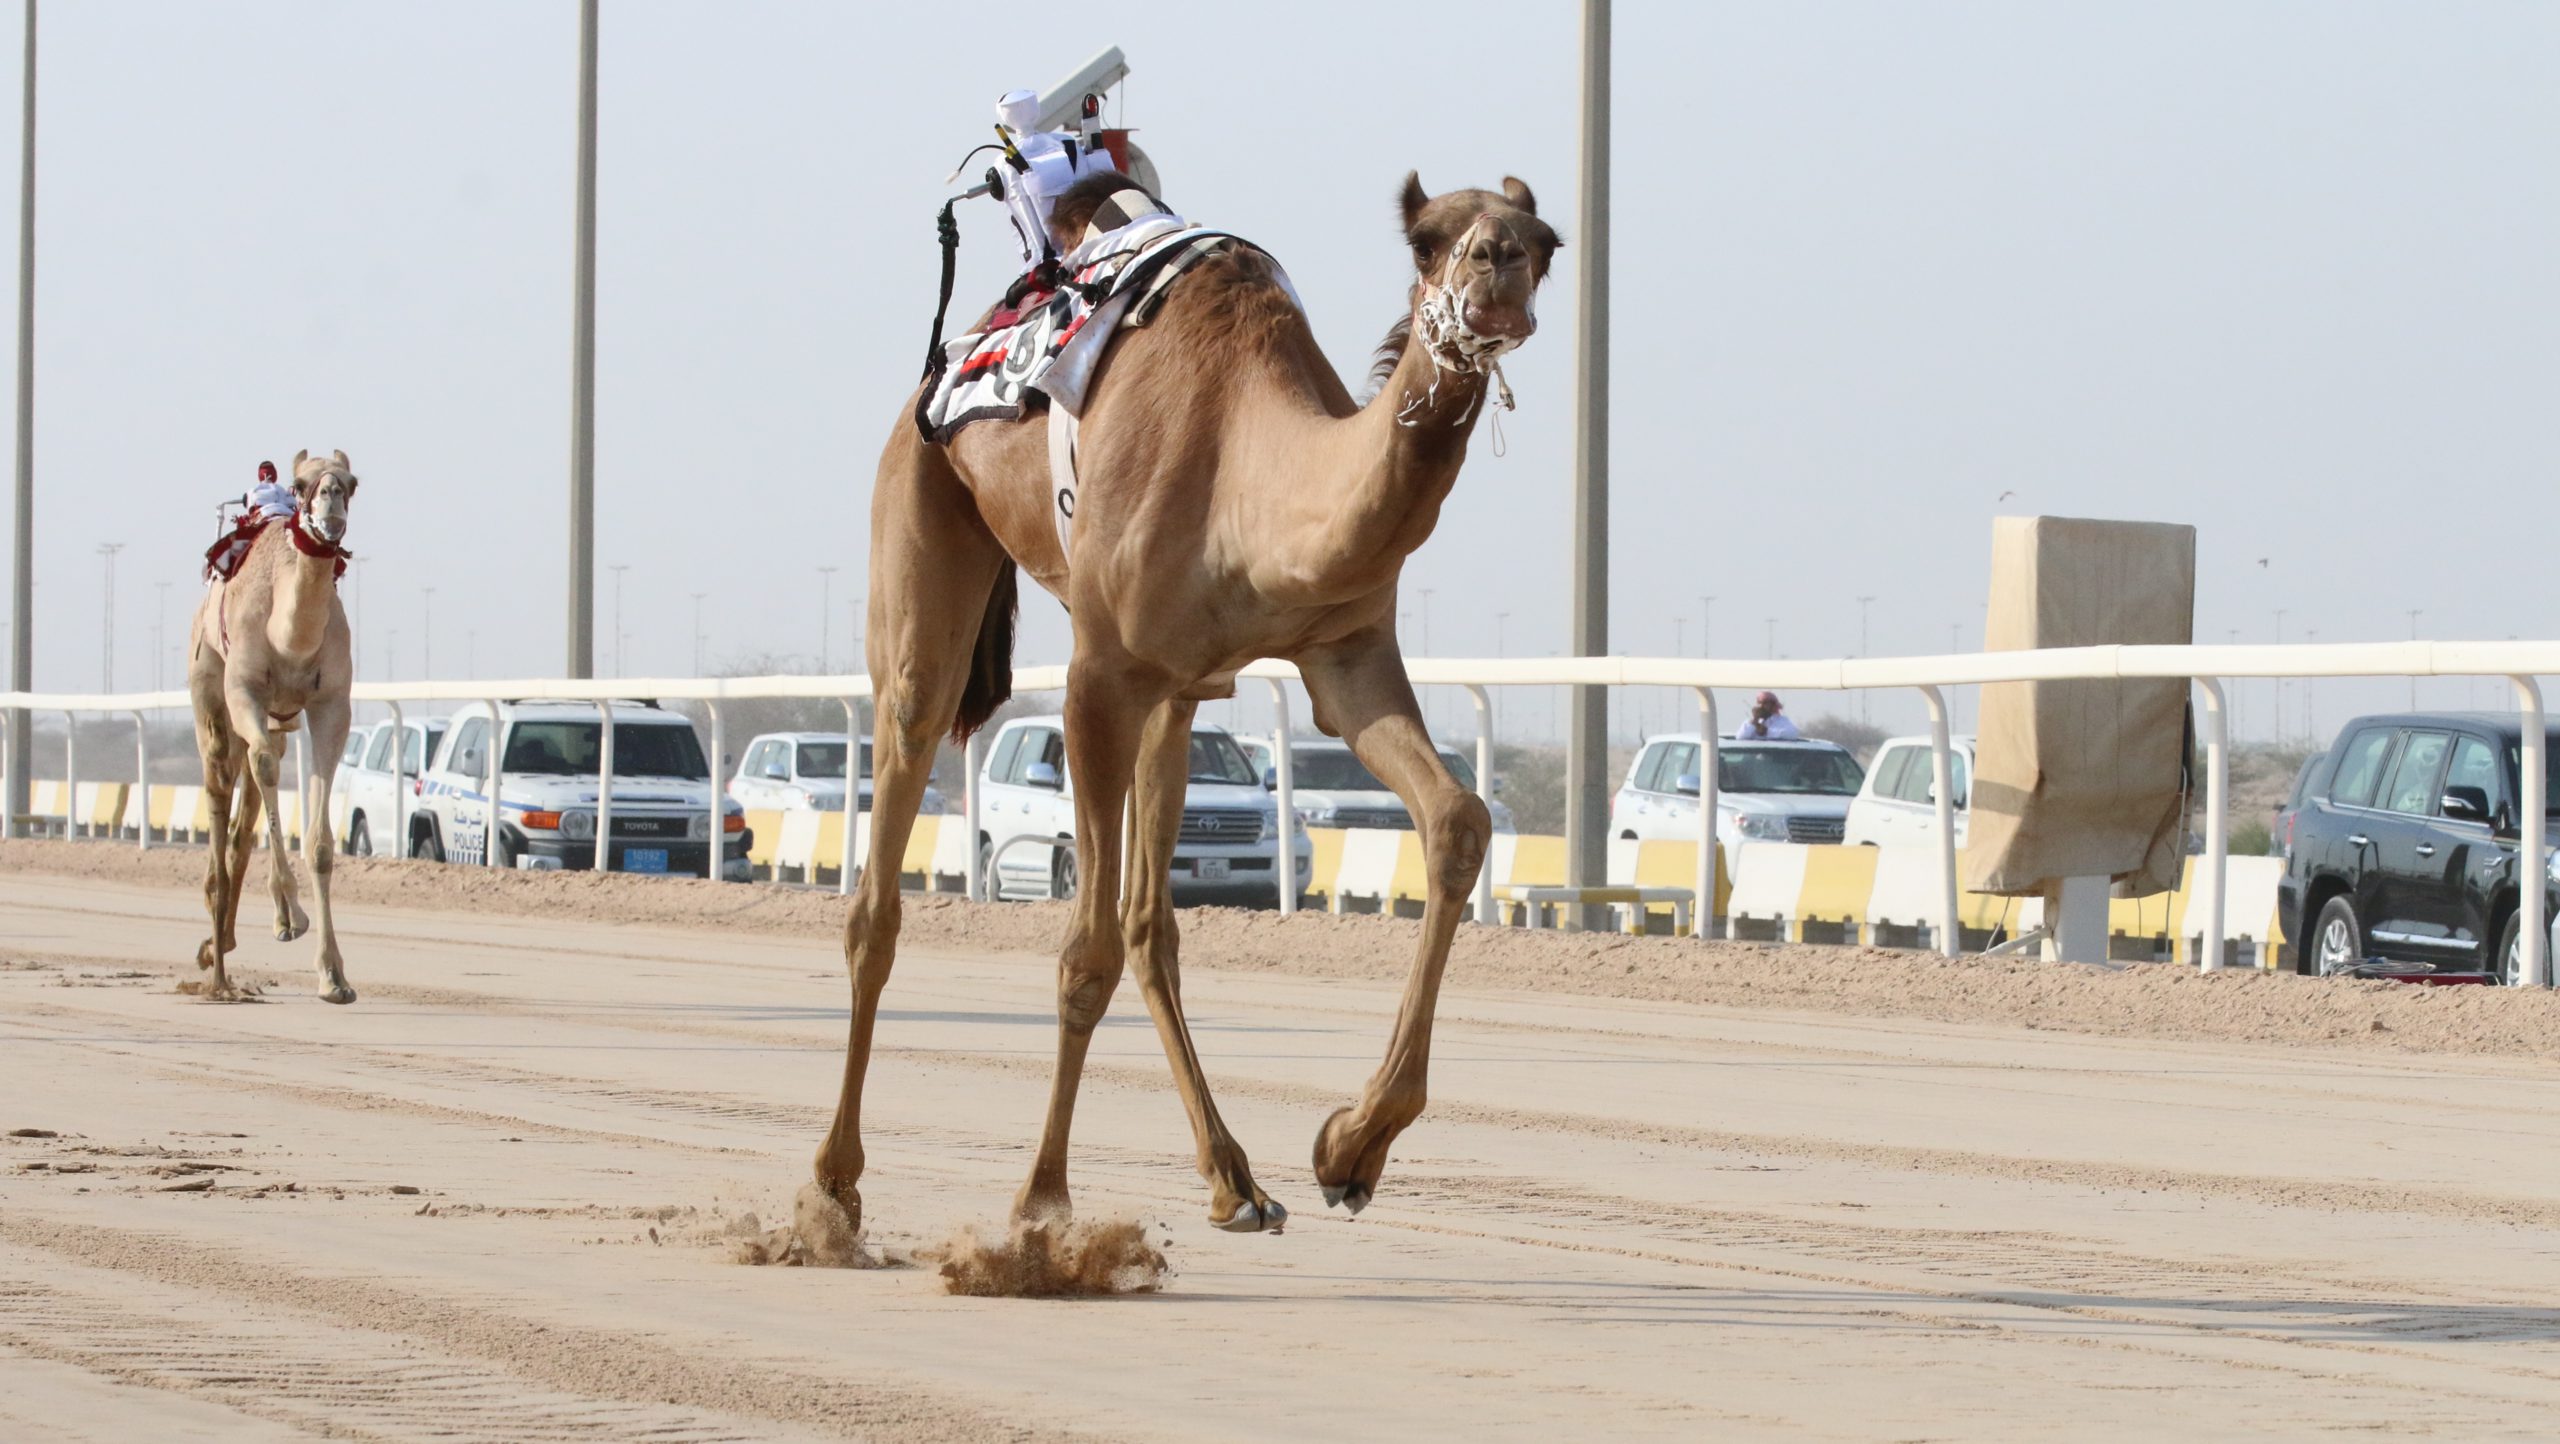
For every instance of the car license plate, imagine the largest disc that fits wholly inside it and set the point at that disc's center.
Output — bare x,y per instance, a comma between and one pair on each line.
644,859
1209,869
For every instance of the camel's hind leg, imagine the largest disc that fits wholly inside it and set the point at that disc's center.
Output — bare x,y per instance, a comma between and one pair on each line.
1360,691
1154,945
934,575
328,722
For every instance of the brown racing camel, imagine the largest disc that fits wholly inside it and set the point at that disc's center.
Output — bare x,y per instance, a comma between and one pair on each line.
1235,503
270,650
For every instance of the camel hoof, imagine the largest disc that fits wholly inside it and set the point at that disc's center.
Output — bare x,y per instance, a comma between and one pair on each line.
337,993
205,957
1352,1196
1267,1217
287,932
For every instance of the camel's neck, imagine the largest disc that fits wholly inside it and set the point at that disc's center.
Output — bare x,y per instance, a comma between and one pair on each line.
306,594
1376,479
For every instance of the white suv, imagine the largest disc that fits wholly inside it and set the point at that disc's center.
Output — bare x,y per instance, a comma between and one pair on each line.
364,808
1899,801
804,771
1765,791
549,762
1331,788
1224,852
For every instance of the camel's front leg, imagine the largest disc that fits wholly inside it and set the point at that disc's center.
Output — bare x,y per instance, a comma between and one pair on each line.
220,754
328,739
1153,941
265,756
1359,686
1104,714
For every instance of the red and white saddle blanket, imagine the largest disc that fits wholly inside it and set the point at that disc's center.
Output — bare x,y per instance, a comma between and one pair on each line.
1047,348
222,560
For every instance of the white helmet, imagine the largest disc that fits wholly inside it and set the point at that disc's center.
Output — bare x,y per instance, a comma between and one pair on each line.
1018,110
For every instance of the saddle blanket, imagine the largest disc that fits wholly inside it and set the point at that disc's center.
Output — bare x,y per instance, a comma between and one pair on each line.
1048,349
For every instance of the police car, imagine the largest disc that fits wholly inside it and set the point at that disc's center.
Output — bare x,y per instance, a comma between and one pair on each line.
549,756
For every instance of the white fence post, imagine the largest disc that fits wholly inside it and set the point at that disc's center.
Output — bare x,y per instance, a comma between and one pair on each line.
2532,866
399,783
604,790
1484,790
1283,795
852,793
492,774
2217,822
1702,915
142,776
719,865
1942,775
972,758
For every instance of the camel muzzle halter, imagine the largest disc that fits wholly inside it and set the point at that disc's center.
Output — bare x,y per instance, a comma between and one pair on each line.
1440,321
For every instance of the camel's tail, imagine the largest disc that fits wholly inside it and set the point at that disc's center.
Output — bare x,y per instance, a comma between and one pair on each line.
991,665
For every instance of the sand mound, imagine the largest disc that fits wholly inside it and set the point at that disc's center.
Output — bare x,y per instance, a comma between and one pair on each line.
1054,1261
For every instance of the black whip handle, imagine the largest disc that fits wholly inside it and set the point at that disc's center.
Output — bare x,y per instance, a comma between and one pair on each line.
949,231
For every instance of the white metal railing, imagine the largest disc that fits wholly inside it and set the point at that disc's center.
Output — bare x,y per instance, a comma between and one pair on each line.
2521,663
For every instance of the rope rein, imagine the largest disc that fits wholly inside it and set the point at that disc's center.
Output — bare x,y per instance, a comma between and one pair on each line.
1455,348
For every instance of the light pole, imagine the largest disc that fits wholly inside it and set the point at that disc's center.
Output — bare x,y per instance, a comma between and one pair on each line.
618,568
1586,817
22,588
697,632
826,614
426,633
582,366
107,663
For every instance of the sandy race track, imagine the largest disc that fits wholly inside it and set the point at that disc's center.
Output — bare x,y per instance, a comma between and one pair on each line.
1663,1191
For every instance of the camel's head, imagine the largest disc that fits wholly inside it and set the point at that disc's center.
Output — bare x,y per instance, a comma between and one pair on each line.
324,487
1478,257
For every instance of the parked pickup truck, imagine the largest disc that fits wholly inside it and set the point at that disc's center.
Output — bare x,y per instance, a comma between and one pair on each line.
550,756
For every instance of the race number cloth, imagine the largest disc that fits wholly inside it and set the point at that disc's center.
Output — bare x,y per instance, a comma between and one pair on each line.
1049,349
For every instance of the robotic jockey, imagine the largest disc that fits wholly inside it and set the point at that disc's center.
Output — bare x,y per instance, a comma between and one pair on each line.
1039,165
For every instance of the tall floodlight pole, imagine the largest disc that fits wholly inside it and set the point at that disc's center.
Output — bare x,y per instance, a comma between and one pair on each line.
582,369
826,580
1586,795
107,632
2279,681
618,568
22,589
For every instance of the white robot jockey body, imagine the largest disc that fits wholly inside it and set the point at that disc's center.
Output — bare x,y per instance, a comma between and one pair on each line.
1041,164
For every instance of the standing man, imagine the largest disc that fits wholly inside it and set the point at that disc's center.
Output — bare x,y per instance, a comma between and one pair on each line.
1767,722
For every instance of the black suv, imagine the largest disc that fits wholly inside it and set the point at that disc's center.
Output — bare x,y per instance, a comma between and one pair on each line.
2404,847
